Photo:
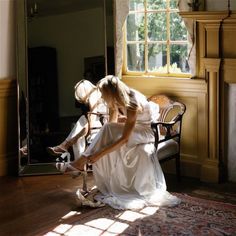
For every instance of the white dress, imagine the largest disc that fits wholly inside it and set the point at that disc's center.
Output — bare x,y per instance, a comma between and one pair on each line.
95,124
130,177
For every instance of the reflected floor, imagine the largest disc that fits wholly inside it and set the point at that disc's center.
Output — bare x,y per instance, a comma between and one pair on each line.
42,169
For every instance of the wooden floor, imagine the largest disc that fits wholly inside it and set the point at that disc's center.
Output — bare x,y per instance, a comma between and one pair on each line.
30,205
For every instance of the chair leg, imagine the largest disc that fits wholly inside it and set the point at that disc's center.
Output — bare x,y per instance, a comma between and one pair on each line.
85,187
177,163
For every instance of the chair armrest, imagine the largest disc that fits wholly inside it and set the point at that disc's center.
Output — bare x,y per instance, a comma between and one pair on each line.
98,113
170,133
169,127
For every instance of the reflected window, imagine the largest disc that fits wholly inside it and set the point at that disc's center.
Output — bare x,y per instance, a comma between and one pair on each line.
156,39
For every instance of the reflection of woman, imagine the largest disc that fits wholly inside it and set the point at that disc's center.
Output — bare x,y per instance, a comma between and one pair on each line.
23,132
89,101
125,169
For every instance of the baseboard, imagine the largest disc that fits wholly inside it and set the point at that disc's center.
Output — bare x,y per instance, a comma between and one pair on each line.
9,164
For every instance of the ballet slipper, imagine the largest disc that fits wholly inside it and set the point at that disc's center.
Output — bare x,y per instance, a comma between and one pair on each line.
65,167
89,200
56,151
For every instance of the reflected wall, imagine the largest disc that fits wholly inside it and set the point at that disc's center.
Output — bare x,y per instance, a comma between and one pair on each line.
55,50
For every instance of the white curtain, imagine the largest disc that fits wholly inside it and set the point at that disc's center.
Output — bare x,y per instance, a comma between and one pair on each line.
121,12
191,28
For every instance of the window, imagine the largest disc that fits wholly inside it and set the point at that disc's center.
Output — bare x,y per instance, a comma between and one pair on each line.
156,39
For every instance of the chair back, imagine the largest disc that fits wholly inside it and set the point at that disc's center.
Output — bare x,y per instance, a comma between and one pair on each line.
170,119
167,130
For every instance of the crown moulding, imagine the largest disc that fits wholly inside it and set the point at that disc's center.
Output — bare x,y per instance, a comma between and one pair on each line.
206,16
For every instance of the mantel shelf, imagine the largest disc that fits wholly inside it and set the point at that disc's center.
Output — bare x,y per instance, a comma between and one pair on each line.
208,16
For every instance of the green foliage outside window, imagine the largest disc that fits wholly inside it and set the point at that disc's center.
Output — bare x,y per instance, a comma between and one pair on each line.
156,38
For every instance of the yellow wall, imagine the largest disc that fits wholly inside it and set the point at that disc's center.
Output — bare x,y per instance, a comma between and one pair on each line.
7,39
8,105
203,152
194,94
75,35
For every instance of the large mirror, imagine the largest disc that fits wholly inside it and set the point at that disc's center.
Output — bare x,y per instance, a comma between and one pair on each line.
59,43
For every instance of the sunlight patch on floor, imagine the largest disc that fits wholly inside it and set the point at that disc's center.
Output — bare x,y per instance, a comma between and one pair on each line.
52,234
60,230
108,225
149,210
131,216
101,226
70,214
83,230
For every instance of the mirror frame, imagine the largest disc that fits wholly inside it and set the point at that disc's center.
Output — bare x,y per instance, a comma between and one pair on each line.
22,73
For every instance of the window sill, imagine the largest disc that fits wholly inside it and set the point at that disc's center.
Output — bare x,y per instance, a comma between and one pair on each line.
151,85
150,77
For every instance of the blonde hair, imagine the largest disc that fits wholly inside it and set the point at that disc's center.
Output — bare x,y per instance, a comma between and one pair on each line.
87,93
83,89
118,91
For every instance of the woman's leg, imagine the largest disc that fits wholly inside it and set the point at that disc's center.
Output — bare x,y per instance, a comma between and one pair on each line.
80,129
109,133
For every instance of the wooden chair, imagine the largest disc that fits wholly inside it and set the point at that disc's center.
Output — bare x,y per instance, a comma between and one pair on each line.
167,129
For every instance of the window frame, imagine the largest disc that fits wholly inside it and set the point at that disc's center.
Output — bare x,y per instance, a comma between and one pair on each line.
168,42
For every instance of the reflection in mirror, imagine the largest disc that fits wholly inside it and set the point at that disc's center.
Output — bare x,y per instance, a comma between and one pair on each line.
65,40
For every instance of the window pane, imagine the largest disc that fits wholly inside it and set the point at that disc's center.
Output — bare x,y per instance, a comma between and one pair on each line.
135,57
157,27
135,5
179,58
177,28
157,58
135,27
156,34
174,4
156,4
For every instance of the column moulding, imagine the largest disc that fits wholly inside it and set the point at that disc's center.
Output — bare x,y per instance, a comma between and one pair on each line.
210,165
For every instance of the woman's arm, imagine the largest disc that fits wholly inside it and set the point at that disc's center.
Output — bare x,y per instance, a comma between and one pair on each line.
113,114
128,127
83,132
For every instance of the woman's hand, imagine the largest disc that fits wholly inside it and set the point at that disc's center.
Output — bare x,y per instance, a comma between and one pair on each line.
93,158
128,127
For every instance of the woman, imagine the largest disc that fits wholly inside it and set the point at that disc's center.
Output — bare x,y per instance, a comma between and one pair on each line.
126,172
